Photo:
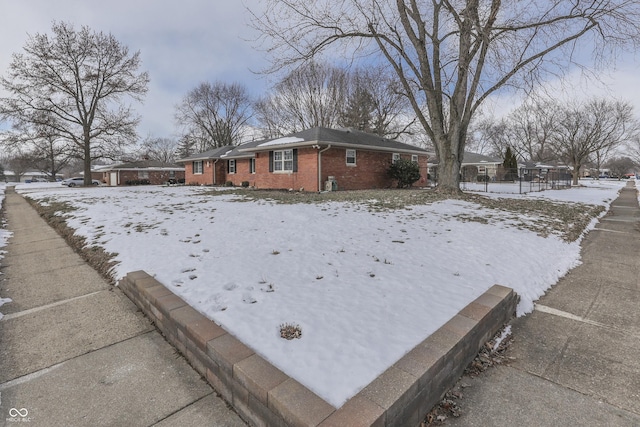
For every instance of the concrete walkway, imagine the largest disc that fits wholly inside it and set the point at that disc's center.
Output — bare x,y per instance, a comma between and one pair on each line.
577,356
74,351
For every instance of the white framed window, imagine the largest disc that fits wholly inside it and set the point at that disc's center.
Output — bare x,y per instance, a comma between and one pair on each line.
414,158
232,166
395,157
283,161
351,157
143,174
252,165
197,167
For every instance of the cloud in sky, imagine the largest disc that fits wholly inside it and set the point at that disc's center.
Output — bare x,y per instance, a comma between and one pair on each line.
181,43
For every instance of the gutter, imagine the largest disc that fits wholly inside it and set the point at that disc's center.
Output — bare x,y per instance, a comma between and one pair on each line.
320,165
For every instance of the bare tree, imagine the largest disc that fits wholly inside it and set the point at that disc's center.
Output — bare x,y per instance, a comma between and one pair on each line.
19,164
160,149
375,104
47,151
620,166
531,126
309,96
75,83
583,129
449,56
214,114
489,136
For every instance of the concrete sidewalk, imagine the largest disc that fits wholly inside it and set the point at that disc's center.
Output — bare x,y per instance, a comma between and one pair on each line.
74,351
577,356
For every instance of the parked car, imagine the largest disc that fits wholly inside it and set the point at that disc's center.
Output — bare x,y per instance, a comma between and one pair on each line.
78,180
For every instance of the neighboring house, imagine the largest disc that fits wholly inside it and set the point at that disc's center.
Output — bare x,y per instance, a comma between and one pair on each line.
206,168
475,165
478,165
138,172
29,176
312,160
546,172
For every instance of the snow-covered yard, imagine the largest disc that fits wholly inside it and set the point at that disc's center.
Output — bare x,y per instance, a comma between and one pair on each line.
365,285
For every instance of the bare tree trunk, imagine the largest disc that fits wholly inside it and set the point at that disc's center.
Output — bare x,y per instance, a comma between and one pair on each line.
576,174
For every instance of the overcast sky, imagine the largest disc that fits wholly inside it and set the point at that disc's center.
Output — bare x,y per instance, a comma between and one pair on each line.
182,43
186,42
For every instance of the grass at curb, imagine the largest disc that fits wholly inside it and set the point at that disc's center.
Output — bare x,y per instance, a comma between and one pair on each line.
53,213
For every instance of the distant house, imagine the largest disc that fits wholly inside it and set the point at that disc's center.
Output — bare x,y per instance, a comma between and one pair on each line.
28,176
138,172
478,167
475,167
316,159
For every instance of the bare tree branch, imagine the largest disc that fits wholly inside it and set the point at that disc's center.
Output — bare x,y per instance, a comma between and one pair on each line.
74,83
450,55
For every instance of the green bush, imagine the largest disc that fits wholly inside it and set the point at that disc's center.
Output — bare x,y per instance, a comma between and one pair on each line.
405,172
245,184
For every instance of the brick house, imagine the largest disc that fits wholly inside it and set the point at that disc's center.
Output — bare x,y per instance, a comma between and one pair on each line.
312,160
139,172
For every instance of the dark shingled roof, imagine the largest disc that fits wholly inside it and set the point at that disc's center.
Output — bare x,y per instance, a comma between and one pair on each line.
349,138
138,164
339,137
210,154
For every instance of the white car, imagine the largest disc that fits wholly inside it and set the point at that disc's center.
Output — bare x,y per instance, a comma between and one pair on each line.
78,180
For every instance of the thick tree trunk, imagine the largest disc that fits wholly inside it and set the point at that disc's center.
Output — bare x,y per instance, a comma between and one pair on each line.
449,174
576,174
87,158
450,149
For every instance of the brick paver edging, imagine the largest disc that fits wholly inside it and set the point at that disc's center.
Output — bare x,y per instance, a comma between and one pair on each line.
264,395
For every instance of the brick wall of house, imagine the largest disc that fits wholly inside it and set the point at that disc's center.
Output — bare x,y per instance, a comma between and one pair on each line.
154,177
209,169
306,178
242,173
370,170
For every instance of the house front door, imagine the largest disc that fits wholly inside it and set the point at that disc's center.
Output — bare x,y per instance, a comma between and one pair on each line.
113,179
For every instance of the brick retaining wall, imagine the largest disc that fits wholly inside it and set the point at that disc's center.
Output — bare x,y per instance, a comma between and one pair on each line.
265,396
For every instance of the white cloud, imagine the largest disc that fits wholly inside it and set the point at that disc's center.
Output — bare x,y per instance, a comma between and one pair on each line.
181,43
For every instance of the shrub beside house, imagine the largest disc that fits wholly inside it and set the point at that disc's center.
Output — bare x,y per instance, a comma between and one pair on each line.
312,160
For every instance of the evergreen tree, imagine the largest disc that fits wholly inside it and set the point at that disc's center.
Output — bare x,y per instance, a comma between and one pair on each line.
510,165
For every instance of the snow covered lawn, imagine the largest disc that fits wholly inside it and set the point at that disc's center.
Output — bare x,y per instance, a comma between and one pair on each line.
364,283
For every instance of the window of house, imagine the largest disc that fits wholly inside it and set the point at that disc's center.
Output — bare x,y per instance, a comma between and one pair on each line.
395,157
283,160
252,165
197,167
143,174
414,158
232,166
351,157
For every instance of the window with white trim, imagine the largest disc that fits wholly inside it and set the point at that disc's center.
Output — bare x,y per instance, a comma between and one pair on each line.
395,157
143,174
232,165
414,158
197,167
252,165
351,157
283,161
